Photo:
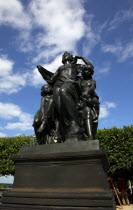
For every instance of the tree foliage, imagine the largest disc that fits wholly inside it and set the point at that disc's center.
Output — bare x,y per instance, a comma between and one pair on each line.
10,146
118,143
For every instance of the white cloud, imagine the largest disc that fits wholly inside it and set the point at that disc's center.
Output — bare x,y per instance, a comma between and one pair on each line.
105,69
120,17
93,35
25,41
122,51
2,135
61,25
12,13
54,65
110,104
10,82
105,109
36,78
113,48
103,112
102,69
22,126
5,66
57,27
9,111
22,120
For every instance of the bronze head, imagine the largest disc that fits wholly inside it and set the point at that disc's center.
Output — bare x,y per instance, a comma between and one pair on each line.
68,57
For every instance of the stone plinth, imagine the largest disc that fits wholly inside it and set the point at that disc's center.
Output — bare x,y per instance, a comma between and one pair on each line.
65,176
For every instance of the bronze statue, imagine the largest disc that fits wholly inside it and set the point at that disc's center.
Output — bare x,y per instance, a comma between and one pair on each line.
44,122
89,103
70,91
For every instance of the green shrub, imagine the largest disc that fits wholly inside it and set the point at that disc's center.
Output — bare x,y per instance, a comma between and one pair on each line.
118,143
10,146
3,186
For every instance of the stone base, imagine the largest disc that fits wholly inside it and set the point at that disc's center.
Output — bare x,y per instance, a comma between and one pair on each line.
61,176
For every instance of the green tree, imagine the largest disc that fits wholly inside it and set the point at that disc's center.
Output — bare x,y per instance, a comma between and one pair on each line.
118,143
10,146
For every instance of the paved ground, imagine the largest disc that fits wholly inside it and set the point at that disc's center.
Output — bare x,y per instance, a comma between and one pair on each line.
125,207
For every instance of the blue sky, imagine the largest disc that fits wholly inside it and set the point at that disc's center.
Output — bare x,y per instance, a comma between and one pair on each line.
36,32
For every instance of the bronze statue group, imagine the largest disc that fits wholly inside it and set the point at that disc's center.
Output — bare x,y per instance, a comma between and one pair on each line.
69,106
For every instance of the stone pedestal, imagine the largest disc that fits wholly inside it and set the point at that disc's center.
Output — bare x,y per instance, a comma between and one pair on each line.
65,176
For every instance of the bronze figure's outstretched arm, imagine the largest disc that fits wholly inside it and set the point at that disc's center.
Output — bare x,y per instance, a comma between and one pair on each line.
47,75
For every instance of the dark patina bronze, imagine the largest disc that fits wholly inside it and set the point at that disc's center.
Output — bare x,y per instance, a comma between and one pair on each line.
76,105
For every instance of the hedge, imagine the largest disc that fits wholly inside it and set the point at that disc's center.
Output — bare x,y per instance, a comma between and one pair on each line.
10,146
117,142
